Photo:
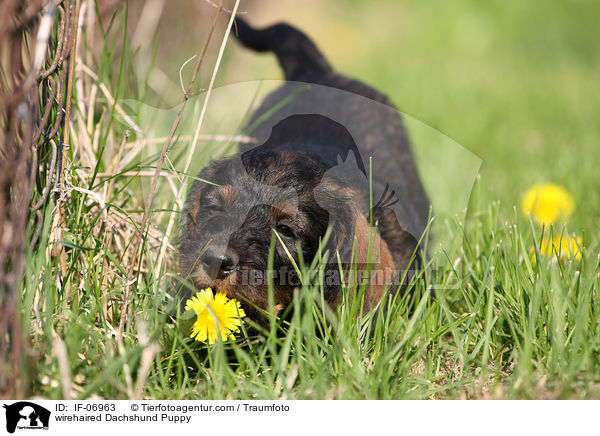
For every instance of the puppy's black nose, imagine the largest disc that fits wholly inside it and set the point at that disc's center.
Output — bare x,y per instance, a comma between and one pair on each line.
219,265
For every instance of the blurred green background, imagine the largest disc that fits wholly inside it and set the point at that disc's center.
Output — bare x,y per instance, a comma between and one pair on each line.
516,83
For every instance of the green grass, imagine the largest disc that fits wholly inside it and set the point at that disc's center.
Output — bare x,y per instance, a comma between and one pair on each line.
514,84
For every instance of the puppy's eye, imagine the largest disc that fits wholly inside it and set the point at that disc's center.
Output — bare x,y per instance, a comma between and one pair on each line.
214,209
286,231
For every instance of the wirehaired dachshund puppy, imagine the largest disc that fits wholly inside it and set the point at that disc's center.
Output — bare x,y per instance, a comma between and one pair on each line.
333,175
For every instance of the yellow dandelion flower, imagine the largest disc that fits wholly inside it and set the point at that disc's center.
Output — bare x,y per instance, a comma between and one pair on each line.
563,247
547,203
208,308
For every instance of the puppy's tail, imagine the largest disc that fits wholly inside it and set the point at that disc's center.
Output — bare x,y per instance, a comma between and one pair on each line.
298,56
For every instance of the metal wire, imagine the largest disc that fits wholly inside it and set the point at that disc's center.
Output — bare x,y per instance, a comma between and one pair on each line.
31,121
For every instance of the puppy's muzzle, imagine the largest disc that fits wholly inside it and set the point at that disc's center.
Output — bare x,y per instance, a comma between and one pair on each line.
219,265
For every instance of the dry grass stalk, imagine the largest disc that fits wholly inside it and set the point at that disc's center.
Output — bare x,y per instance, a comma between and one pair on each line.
191,153
165,149
65,153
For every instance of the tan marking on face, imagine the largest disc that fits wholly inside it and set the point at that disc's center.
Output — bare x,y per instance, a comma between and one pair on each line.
199,276
283,209
228,195
193,213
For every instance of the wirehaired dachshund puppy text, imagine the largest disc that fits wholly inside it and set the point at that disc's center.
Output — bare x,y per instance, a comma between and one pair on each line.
333,174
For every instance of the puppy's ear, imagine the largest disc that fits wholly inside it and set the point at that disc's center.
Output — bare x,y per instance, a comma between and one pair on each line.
338,205
186,238
191,210
360,249
402,244
187,225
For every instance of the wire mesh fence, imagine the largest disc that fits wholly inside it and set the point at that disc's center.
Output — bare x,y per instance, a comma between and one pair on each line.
36,42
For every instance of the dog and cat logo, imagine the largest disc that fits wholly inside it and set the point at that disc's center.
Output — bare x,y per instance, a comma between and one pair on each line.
26,415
